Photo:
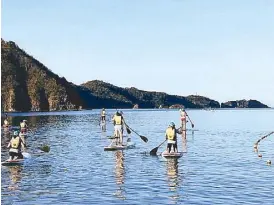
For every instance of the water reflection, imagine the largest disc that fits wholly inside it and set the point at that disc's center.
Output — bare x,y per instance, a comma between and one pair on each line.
15,175
103,125
6,130
4,143
184,147
120,174
173,179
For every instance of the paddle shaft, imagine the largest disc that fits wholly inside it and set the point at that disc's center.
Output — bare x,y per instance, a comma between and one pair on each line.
142,137
161,143
131,129
189,119
154,150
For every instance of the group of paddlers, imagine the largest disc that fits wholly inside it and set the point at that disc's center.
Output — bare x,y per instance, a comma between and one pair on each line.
171,131
17,143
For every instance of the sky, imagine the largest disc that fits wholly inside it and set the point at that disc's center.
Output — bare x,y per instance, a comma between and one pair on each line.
220,49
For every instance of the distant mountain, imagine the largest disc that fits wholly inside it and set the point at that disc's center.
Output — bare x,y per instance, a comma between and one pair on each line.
243,104
28,85
128,97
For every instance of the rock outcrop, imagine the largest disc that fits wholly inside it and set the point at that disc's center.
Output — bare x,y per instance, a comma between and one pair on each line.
176,106
243,104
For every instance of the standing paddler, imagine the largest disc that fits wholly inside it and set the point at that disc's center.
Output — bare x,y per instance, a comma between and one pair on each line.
102,121
6,122
103,115
183,115
118,122
23,126
16,145
171,136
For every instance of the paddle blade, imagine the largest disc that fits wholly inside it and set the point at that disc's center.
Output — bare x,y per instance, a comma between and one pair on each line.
45,148
144,138
128,130
192,125
154,151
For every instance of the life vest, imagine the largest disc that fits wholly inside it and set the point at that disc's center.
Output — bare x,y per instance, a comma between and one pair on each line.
170,133
23,125
103,113
117,120
15,142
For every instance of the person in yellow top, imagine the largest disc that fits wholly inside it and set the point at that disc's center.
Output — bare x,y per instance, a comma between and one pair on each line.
171,136
23,126
118,122
103,115
16,144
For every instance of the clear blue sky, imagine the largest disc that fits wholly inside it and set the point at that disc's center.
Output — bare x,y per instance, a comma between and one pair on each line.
223,49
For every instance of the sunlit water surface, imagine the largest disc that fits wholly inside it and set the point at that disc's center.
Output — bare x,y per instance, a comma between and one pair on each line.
219,165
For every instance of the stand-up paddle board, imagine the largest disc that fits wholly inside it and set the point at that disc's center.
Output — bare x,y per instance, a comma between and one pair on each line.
17,161
172,154
113,137
113,147
13,162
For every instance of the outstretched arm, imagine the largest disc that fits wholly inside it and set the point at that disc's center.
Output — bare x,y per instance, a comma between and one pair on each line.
179,130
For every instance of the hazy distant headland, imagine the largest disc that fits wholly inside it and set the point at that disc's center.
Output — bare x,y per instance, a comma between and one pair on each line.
28,85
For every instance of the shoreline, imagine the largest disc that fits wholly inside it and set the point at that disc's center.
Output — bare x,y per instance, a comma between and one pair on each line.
130,109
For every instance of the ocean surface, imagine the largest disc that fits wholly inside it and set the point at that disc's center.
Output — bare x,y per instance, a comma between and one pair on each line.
219,165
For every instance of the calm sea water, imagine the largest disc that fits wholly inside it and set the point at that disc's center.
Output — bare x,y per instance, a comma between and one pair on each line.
219,165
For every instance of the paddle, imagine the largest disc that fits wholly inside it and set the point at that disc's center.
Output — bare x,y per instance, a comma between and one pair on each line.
154,151
128,130
141,136
192,125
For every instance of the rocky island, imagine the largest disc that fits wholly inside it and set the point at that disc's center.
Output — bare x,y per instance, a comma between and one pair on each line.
243,104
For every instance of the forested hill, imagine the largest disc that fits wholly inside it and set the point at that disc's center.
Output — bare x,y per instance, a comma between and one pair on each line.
145,99
28,85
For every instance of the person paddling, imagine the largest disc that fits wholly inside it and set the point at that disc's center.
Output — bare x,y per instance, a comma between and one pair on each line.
103,115
118,122
183,119
6,122
23,126
16,144
171,136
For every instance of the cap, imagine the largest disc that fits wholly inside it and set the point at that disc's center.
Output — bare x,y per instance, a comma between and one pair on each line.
15,133
172,124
